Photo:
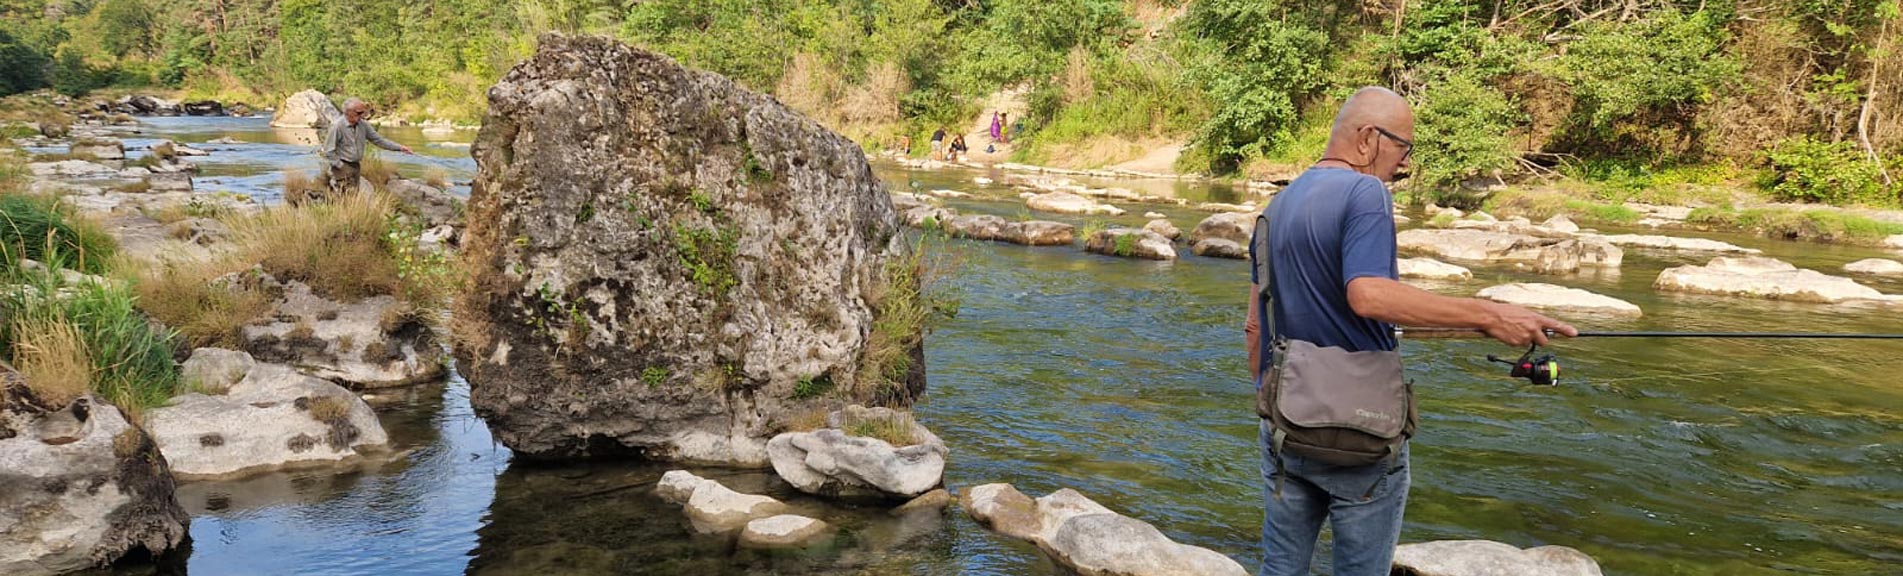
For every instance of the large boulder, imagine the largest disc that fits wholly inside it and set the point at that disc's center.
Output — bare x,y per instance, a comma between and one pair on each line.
306,109
1559,299
838,461
1040,233
1761,277
375,342
1489,558
1232,226
1130,243
1543,255
1163,228
1220,248
1068,203
977,227
272,418
79,486
1088,539
660,257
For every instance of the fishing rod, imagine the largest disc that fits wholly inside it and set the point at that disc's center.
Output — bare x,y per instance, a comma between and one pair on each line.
1543,369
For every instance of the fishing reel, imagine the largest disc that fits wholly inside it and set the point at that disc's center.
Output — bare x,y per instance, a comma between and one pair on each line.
1540,369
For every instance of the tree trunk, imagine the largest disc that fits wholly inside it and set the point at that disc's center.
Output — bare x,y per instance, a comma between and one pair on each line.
1877,55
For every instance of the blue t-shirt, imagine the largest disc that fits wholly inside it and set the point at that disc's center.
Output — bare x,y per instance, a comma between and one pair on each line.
1327,228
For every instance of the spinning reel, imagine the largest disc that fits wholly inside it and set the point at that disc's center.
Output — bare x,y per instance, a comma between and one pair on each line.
1539,368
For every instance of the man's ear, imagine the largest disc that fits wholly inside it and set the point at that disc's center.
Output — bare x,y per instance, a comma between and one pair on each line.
1366,140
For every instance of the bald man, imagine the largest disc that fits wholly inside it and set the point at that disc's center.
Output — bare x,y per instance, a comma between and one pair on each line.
1330,252
344,144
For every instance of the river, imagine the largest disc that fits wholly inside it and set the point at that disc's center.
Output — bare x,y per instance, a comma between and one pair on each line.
1124,379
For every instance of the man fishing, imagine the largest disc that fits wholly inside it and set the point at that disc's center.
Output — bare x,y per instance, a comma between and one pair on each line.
343,148
1336,413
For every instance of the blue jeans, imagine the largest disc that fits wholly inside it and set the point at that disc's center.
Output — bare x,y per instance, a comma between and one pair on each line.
1364,503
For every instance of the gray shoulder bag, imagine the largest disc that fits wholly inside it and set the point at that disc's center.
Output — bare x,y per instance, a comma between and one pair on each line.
1324,402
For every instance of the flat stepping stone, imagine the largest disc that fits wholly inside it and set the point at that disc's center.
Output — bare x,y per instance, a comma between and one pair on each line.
1560,298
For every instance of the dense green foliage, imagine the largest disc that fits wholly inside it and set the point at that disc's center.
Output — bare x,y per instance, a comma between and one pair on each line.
1502,87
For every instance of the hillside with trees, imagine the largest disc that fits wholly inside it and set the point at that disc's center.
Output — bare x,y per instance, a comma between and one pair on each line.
1801,100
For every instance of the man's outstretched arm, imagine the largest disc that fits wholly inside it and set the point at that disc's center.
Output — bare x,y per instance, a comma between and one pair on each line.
1396,303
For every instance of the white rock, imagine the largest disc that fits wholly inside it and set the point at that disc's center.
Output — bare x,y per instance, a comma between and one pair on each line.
1220,248
1559,298
1560,223
1113,544
305,109
70,168
1003,509
828,462
982,181
1154,215
169,182
1130,243
1894,241
678,486
1878,266
714,508
1488,558
1235,227
268,420
1163,228
1673,243
1482,217
941,193
1222,207
1544,255
1431,269
1068,203
215,370
99,149
783,531
1039,233
1760,277
1058,507
349,342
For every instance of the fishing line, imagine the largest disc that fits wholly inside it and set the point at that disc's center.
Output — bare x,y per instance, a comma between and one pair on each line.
1544,369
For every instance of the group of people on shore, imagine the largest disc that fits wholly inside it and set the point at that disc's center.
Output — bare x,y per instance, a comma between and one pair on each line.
956,148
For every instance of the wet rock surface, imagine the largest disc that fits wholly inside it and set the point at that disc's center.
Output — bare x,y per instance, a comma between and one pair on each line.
661,256
836,462
272,418
1488,558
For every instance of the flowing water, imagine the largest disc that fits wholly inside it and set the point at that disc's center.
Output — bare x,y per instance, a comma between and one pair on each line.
1125,380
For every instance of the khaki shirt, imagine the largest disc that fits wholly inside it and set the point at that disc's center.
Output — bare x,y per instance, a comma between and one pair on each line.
343,141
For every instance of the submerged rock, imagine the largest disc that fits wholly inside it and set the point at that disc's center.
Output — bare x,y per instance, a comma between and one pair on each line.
1087,538
711,506
1760,277
784,531
272,418
1130,243
374,342
1543,255
79,486
1068,203
1489,558
1431,269
1877,266
836,462
661,257
305,109
1560,299
1674,243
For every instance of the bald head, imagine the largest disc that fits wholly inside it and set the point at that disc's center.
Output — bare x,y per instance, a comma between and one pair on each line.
1358,137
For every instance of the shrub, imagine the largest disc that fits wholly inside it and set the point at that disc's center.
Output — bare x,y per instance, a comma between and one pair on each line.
1461,132
1810,170
206,313
336,247
907,301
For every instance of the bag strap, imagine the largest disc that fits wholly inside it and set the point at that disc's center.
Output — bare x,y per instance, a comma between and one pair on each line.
1264,271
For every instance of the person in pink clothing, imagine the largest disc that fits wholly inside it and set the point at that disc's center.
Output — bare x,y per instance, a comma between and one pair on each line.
997,128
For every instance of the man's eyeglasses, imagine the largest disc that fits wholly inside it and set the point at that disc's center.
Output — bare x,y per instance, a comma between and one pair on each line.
1397,138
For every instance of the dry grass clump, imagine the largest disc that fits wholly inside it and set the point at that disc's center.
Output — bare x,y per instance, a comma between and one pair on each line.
301,187
896,431
906,300
335,247
53,357
377,170
329,409
205,313
437,179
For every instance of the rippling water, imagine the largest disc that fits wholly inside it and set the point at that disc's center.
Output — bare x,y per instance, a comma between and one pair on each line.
1124,379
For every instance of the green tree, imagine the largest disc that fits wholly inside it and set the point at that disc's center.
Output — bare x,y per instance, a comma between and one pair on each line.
123,27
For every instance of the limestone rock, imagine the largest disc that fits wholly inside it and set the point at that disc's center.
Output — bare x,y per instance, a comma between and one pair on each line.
273,418
1056,508
1155,215
98,148
1164,228
1235,227
1894,241
1560,223
1877,266
1543,255
976,227
70,168
783,531
305,109
1068,203
829,462
85,498
677,486
1560,299
169,182
1674,243
1488,558
714,508
437,207
1040,233
1431,269
1003,509
1220,248
1130,243
1761,277
375,342
1226,208
662,257
215,370
933,501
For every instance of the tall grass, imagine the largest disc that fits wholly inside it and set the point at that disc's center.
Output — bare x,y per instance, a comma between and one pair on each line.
130,360
52,356
336,247
908,299
206,313
32,226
